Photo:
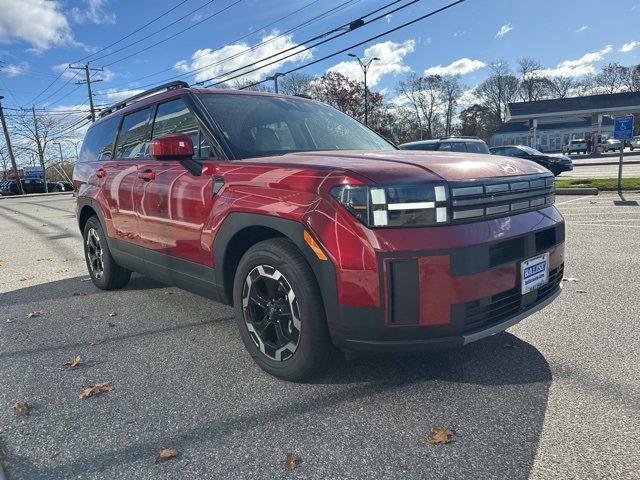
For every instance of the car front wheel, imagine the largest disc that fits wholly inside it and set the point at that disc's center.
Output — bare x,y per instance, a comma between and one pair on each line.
279,311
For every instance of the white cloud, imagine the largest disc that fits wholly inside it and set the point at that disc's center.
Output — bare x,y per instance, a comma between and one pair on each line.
581,29
462,66
504,29
217,62
469,97
37,22
391,55
93,12
627,47
114,96
13,69
576,68
459,34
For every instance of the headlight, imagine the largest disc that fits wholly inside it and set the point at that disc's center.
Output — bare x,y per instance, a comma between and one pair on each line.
396,205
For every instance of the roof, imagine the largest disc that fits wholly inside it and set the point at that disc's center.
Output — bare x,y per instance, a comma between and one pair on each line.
515,127
575,105
444,139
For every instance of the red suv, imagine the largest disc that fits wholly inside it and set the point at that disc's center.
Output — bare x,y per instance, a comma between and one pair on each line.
321,233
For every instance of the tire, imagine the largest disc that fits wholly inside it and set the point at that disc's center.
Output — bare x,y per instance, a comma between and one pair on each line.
276,268
105,273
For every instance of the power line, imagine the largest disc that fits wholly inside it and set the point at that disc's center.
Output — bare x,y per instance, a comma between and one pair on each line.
87,82
208,2
343,30
134,32
375,37
168,69
49,86
180,32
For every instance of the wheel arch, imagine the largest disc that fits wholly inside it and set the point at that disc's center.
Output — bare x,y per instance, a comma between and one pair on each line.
240,231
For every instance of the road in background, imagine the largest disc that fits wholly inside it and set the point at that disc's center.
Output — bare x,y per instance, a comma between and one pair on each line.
555,397
603,171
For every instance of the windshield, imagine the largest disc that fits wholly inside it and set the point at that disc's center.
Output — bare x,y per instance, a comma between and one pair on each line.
530,151
256,125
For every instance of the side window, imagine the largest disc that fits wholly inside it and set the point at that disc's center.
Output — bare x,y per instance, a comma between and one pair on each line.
175,117
445,146
458,147
135,135
98,143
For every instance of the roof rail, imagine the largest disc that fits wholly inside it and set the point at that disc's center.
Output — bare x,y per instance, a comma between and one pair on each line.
461,137
127,101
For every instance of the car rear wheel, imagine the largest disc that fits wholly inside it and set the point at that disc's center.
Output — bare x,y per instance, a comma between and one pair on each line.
279,311
104,271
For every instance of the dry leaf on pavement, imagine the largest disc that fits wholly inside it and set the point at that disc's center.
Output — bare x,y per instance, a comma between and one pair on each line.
73,362
21,409
165,454
27,277
113,314
95,389
291,461
93,343
34,314
439,435
569,279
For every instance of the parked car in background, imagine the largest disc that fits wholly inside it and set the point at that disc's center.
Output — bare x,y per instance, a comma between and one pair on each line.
577,145
322,234
32,185
557,163
449,144
611,145
635,142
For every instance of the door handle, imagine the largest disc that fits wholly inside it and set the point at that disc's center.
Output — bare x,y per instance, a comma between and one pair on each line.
147,175
101,173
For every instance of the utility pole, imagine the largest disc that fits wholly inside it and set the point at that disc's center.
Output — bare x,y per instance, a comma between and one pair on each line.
40,149
274,77
365,68
87,69
14,165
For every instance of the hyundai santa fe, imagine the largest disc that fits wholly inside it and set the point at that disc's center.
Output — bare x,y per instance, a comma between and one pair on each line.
322,234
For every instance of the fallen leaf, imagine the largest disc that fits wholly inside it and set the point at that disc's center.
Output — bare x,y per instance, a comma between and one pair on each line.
291,461
111,324
45,225
81,317
73,362
21,409
581,291
94,389
78,294
34,314
27,277
88,279
569,279
93,343
113,314
439,435
165,454
9,320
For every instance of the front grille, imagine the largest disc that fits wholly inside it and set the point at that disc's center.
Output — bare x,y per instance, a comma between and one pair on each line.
490,198
503,305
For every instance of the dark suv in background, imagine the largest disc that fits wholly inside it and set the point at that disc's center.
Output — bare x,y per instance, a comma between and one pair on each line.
449,144
556,163
319,232
32,185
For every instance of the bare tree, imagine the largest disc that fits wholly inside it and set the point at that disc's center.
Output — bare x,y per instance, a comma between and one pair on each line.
499,89
410,90
295,84
610,79
450,92
533,86
631,78
562,87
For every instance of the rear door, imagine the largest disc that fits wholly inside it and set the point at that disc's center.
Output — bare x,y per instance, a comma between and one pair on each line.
173,204
121,173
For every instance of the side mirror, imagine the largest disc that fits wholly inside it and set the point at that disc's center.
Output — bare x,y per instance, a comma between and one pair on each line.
172,147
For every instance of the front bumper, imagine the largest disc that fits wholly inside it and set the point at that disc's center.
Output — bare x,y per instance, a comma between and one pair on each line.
432,300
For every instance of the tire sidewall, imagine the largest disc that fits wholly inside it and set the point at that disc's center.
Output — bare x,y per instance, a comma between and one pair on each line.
312,317
102,282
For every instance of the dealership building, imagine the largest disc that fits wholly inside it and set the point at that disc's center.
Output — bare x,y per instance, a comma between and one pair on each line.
548,125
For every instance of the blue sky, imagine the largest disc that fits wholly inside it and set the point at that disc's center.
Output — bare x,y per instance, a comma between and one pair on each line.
39,37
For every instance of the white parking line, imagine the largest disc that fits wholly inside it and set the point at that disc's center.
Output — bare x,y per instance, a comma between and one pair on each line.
574,224
575,200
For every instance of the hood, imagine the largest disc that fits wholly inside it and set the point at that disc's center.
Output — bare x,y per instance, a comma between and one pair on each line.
405,165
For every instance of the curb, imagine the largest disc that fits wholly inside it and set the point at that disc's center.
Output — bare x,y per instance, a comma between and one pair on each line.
577,191
31,195
604,164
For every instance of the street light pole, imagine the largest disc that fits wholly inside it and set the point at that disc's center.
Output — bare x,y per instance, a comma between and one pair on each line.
274,77
365,68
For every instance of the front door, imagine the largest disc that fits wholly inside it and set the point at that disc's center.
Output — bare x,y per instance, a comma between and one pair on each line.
173,204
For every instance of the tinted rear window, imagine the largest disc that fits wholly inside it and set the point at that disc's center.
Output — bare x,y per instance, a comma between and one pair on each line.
98,143
420,146
477,147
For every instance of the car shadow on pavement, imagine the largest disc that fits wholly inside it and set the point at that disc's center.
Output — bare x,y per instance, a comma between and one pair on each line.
374,410
68,288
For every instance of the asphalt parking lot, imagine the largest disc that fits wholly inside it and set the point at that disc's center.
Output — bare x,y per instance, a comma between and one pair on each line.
558,396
